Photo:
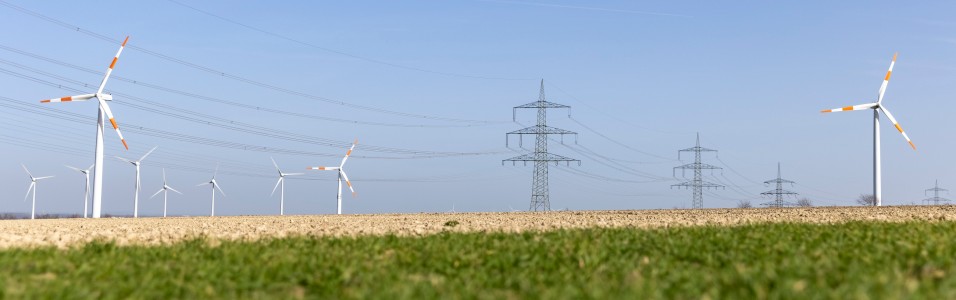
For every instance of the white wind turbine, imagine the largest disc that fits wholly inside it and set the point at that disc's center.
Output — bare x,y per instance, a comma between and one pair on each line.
341,176
877,108
33,187
281,182
215,186
103,114
165,190
86,196
136,163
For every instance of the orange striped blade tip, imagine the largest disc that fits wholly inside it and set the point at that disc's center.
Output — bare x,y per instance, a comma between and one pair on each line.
894,55
125,145
315,168
112,64
888,73
355,142
124,41
347,153
354,194
113,121
912,145
45,101
899,128
826,111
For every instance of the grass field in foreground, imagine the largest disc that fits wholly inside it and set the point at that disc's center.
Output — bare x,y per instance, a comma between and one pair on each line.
844,261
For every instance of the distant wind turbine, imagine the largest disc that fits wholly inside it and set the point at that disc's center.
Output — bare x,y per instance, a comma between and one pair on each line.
103,114
282,183
165,190
136,163
33,188
215,186
341,176
86,196
877,108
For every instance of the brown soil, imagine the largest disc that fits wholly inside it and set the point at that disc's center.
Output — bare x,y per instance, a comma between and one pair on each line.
152,231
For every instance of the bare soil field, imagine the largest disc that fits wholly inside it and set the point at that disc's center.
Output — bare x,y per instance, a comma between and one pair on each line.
153,231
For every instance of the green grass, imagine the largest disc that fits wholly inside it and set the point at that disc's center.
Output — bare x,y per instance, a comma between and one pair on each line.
847,261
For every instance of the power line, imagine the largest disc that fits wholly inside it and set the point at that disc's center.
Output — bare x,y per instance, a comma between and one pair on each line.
235,77
339,52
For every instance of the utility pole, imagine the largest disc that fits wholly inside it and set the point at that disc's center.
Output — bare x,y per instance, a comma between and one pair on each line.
698,184
936,199
540,197
779,192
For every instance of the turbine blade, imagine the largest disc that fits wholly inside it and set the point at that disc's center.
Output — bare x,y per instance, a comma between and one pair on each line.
112,64
276,187
886,80
204,183
44,177
292,174
276,165
83,97
324,168
123,159
32,184
849,108
172,189
109,114
349,153
90,168
349,183
157,193
216,185
147,153
215,172
74,168
897,125
28,171
164,176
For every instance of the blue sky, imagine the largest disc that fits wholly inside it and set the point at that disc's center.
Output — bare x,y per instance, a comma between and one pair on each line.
751,77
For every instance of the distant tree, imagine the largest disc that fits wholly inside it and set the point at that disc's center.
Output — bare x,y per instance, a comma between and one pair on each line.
804,202
744,204
866,200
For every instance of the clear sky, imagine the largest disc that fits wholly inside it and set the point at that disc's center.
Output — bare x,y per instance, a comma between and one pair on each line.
427,87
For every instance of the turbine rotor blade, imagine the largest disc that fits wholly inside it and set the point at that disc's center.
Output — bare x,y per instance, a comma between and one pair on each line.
109,114
147,154
849,108
349,183
276,165
276,187
172,189
216,185
28,171
44,177
157,193
348,153
292,174
32,185
886,80
324,168
123,159
74,168
83,97
112,65
897,125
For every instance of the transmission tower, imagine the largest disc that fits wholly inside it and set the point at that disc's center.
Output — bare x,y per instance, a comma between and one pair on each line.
779,192
540,198
936,199
698,184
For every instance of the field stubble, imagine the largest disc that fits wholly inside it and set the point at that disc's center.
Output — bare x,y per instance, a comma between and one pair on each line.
155,231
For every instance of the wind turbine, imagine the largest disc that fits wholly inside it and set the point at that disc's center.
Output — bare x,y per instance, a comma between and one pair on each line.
281,182
165,190
215,186
877,108
33,187
136,164
103,114
86,196
342,175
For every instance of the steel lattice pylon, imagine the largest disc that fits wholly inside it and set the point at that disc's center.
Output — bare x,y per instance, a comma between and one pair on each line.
936,199
540,198
779,192
698,184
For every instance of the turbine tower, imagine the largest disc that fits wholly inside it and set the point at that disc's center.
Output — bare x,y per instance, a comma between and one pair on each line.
779,192
215,186
166,188
936,199
103,114
341,172
33,187
86,196
540,195
877,108
698,184
281,182
136,163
